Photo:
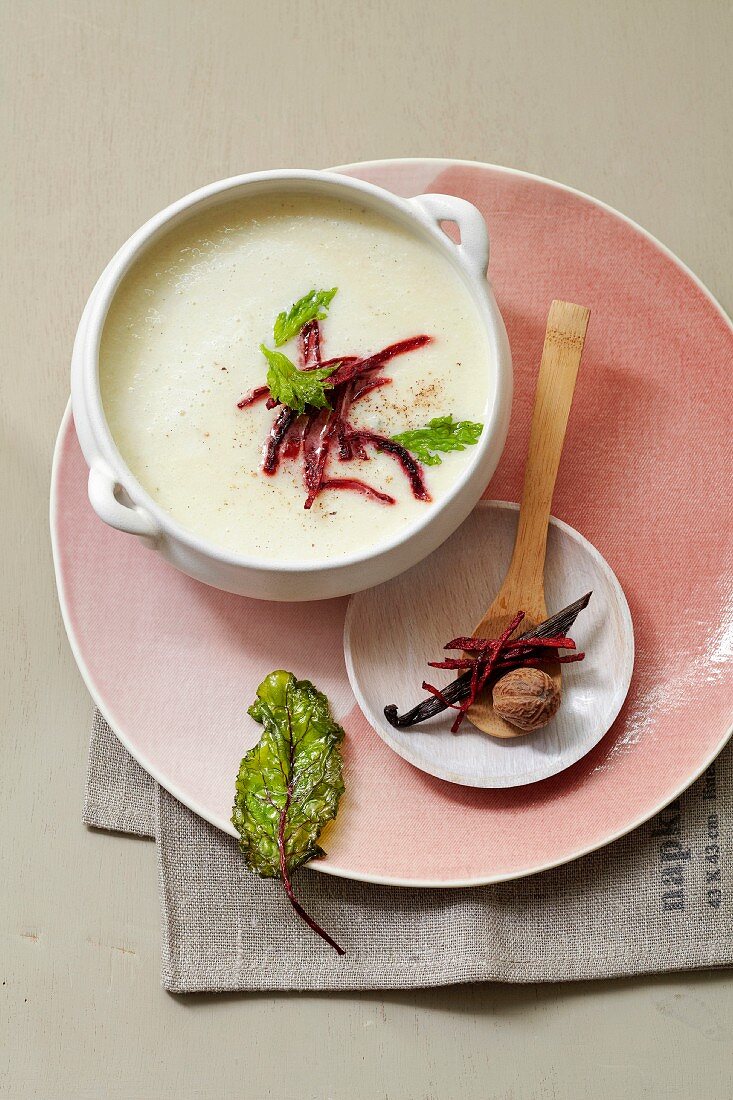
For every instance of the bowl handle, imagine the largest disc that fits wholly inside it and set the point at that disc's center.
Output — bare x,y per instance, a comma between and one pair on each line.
474,246
132,519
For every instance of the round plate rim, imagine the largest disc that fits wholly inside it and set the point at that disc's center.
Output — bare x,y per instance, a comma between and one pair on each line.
480,880
521,174
618,701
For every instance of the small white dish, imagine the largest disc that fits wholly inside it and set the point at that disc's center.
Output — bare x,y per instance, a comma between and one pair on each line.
391,633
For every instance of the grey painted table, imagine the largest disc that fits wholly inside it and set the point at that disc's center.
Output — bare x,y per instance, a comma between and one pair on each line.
110,111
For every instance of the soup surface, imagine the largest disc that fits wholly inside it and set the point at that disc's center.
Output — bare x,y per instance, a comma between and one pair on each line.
181,347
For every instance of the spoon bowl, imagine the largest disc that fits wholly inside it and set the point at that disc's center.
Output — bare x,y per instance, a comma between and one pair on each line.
391,632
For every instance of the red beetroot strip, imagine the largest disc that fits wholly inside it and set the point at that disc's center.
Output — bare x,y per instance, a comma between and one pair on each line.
314,433
488,655
253,397
274,441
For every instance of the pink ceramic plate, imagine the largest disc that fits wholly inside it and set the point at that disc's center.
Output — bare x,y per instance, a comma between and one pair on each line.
646,477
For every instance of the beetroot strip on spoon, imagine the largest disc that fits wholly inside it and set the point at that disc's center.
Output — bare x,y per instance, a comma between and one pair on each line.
459,688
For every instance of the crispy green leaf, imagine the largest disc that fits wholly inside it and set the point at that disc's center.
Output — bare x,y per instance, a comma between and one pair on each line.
296,388
311,307
442,433
290,783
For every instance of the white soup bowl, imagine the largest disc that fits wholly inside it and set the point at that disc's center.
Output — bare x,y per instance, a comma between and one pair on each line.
119,499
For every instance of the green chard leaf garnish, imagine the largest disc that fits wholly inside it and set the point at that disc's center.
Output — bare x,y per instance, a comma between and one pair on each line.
290,783
311,307
442,433
296,388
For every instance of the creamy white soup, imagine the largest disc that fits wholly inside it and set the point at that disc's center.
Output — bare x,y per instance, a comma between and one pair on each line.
181,349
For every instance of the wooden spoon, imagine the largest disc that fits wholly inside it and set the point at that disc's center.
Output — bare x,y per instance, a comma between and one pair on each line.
524,585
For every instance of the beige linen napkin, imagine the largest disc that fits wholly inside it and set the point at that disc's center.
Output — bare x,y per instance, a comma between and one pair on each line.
658,899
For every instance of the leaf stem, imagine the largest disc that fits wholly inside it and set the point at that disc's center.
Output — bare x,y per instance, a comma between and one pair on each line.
284,873
289,886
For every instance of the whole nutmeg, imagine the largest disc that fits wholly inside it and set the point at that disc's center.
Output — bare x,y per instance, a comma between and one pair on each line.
526,697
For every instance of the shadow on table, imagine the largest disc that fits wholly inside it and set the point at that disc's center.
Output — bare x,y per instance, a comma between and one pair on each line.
482,998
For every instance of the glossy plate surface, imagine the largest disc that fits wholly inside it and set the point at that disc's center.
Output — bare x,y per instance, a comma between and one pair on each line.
645,476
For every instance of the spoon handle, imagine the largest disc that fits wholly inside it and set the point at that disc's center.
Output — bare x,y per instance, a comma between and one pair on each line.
564,339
